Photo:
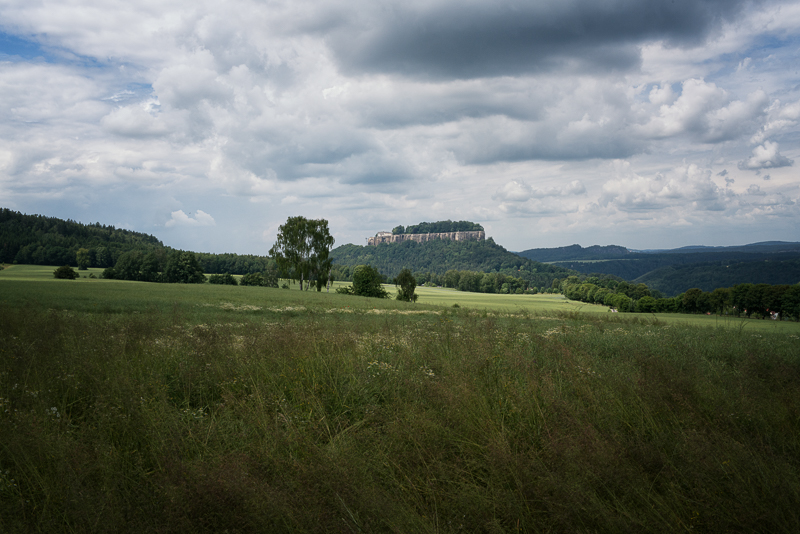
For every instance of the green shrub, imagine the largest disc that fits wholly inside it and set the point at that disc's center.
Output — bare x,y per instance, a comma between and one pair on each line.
66,272
268,278
223,279
367,282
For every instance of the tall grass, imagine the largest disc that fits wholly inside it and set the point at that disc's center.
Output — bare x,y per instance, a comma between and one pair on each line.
312,418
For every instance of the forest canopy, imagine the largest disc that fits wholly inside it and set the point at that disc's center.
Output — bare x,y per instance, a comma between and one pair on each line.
439,227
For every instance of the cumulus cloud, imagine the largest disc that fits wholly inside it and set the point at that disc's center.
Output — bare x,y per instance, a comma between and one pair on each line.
705,111
766,156
179,218
686,185
780,119
662,95
514,191
519,191
136,121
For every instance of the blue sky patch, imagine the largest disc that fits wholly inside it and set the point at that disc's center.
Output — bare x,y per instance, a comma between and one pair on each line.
17,47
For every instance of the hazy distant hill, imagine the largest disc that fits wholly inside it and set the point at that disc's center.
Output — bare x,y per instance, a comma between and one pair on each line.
676,270
764,247
441,256
576,252
676,279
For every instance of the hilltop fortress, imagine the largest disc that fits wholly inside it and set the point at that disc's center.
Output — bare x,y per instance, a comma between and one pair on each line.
389,237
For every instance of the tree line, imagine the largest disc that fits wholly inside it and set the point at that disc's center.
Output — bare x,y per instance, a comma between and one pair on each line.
750,300
477,282
439,227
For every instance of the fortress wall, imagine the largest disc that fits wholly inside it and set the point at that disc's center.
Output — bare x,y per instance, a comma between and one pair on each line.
386,237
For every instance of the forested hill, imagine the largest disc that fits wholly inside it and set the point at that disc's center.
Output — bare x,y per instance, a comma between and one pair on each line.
40,240
753,248
640,265
440,256
708,276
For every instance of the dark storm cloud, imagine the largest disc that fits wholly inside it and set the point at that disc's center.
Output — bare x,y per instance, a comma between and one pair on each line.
456,40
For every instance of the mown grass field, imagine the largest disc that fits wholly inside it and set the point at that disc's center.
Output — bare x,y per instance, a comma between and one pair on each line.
134,407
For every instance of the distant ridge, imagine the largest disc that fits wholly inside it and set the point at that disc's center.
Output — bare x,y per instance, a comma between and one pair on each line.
763,246
575,252
673,271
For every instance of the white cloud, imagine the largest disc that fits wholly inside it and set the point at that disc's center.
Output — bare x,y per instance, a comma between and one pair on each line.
201,218
662,95
518,191
136,121
706,112
681,186
514,191
766,156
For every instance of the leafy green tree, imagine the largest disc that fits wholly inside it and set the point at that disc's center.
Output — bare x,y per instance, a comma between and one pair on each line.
183,268
600,295
66,272
691,300
639,291
668,305
367,282
83,258
129,266
451,278
720,299
151,267
407,284
791,302
271,275
646,305
103,257
470,281
622,302
301,250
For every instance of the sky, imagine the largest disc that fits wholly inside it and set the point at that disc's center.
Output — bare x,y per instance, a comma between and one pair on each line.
641,123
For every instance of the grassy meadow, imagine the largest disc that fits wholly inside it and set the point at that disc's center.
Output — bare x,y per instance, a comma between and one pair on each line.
135,407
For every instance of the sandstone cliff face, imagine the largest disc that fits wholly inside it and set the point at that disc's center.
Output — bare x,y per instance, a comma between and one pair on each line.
387,237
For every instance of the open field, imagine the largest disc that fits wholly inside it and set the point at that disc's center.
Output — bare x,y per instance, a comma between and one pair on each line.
134,407
117,295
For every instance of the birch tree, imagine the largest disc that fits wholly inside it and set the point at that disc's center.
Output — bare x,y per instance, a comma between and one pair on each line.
301,250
